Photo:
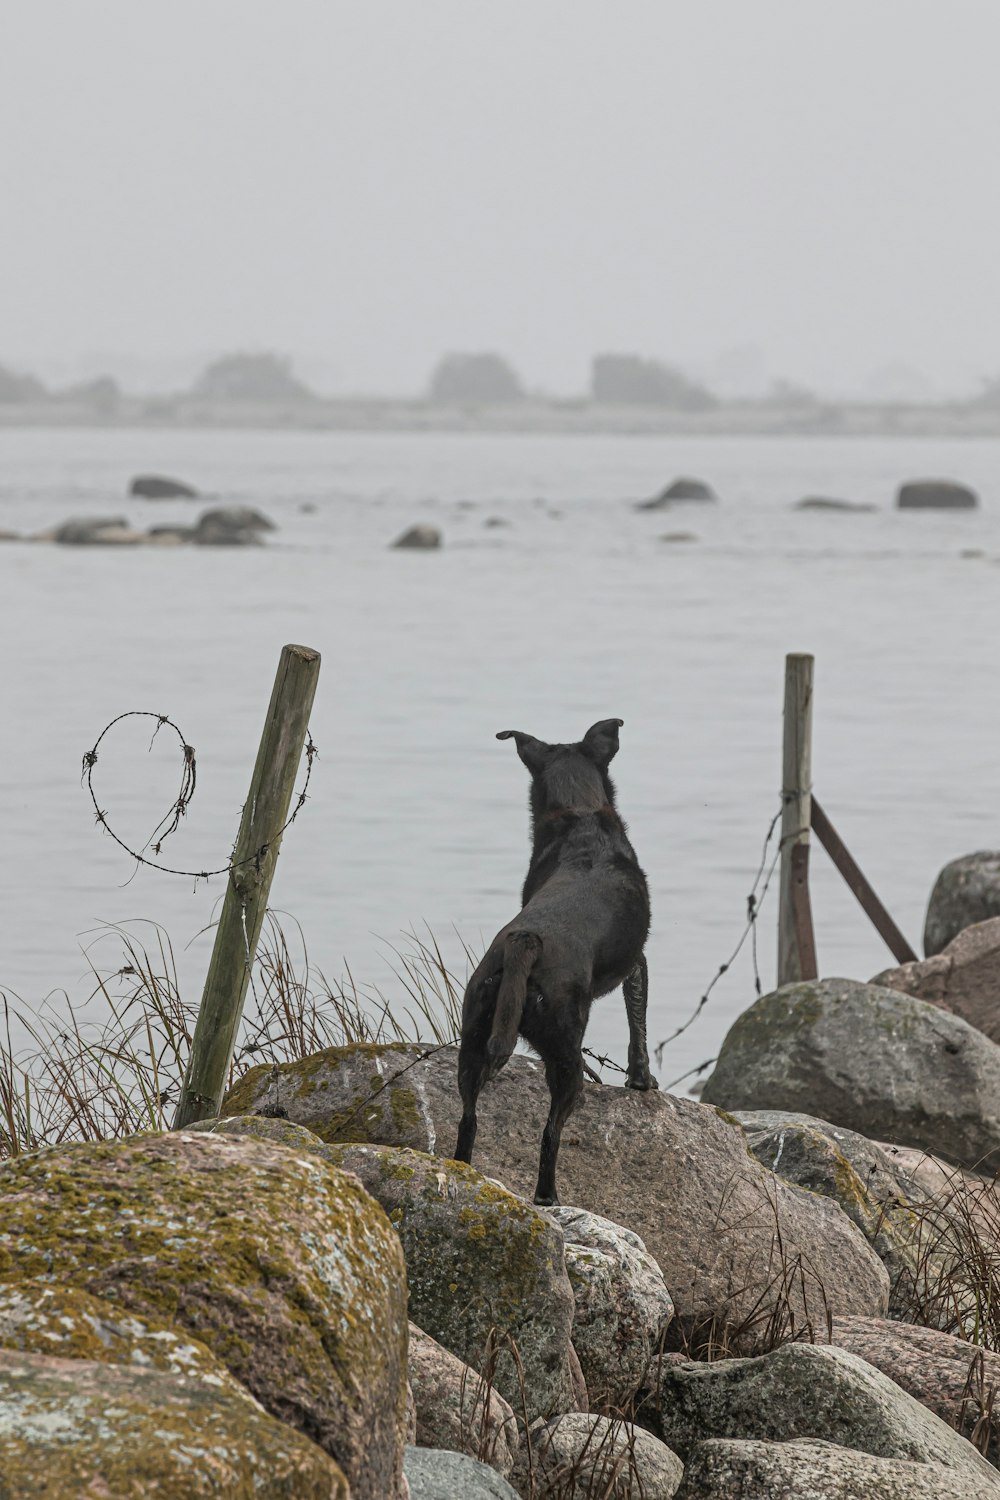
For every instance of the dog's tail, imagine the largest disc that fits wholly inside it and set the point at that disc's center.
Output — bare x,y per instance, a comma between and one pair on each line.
521,952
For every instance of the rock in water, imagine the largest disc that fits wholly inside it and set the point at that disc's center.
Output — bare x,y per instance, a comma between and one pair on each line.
159,487
231,526
285,1268
823,502
936,494
681,489
966,891
419,538
96,531
870,1059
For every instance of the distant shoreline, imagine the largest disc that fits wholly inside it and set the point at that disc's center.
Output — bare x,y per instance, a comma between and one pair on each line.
734,419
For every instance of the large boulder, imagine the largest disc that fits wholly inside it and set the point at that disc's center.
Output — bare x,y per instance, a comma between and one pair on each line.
75,1427
160,487
858,1174
964,978
579,1456
871,1059
805,1391
285,1268
484,1268
673,1171
739,1469
456,1409
967,891
936,494
956,1380
622,1306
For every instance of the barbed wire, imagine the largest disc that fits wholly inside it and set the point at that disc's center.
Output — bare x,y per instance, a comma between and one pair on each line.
754,904
178,808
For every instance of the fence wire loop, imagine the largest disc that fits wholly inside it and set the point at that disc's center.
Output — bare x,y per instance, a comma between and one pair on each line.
171,820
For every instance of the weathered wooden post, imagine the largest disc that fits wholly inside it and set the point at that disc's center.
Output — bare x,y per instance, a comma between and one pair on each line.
265,814
796,946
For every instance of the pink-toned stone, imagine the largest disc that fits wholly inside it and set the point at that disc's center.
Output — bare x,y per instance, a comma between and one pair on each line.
964,978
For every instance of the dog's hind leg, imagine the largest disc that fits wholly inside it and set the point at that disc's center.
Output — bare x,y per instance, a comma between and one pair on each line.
471,1076
635,989
477,1017
564,1076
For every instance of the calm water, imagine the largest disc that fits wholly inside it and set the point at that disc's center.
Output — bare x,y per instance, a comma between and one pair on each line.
573,611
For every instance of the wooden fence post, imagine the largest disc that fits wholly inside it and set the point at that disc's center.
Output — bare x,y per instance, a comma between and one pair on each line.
254,856
796,946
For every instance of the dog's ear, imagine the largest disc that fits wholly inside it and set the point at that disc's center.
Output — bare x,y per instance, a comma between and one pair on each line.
601,742
532,752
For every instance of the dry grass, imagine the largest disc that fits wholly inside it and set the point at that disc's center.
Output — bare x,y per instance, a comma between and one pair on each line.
113,1066
780,1300
605,1468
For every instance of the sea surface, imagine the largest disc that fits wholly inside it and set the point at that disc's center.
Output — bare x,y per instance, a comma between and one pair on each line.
572,609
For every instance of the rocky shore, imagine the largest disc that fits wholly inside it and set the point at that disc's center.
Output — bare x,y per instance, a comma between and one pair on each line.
790,1287
554,415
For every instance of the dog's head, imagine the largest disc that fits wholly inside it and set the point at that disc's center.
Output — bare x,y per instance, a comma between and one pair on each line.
570,777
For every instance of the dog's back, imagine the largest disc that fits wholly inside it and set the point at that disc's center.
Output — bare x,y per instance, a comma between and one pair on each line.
580,933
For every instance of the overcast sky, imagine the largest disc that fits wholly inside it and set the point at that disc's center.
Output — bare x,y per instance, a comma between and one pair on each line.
365,185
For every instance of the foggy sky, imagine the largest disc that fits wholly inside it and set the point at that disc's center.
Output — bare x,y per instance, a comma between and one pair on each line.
365,185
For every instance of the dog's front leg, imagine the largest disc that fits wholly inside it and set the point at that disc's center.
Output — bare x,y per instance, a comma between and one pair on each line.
635,988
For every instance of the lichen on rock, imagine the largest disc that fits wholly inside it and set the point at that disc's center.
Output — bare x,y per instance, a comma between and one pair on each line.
285,1269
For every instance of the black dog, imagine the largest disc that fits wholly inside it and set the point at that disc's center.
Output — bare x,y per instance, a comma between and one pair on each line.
579,934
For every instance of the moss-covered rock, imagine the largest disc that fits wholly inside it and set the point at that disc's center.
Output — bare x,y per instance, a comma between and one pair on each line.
368,1092
72,1427
870,1059
478,1260
671,1170
854,1171
38,1318
285,1268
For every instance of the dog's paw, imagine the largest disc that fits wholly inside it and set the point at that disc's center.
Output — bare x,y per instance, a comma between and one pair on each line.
643,1083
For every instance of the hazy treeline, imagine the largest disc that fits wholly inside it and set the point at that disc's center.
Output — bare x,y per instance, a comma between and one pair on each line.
484,378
